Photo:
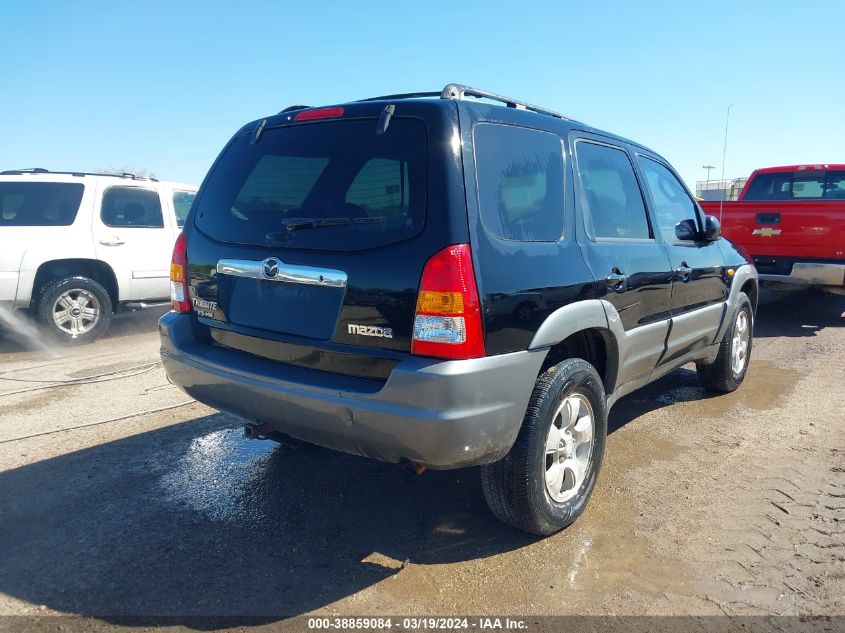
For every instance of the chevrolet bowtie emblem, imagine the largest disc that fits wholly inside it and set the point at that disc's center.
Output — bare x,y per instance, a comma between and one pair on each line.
766,231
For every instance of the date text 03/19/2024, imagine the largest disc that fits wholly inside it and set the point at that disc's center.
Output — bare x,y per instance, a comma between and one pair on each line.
418,623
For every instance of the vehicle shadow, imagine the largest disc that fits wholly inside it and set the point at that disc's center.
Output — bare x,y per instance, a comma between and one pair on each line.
798,313
193,520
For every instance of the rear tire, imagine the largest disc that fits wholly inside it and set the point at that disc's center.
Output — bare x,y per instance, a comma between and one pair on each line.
74,310
542,485
728,371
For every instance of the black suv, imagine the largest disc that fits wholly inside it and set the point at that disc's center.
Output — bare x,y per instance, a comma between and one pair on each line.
436,278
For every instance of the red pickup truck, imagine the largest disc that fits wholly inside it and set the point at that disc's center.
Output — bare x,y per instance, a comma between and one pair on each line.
791,221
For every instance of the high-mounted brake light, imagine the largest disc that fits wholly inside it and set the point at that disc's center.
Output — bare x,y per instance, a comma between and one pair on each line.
318,113
447,323
180,298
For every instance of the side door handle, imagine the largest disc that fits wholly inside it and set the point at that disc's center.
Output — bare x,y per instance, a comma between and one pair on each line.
683,272
616,281
114,240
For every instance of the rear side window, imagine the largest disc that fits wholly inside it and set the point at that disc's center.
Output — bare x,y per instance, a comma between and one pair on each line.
326,186
131,207
610,193
671,201
520,182
39,203
182,201
799,185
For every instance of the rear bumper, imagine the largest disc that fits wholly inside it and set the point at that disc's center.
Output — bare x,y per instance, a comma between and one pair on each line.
811,274
444,414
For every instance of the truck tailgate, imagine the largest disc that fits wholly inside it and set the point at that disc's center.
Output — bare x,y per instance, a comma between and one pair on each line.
797,229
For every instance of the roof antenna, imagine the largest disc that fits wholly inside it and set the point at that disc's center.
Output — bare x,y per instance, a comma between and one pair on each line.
384,119
724,152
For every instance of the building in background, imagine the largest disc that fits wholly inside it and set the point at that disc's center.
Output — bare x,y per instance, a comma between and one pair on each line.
715,190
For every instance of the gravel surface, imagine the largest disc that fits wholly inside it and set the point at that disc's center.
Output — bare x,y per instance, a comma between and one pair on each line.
119,496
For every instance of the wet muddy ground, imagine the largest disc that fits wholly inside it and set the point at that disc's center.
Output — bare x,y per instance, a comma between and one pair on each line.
119,496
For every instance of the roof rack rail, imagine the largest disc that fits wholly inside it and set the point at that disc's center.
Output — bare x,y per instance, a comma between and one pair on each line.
25,170
460,91
41,170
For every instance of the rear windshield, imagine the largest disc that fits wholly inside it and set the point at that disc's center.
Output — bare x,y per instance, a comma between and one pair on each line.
799,185
39,203
329,186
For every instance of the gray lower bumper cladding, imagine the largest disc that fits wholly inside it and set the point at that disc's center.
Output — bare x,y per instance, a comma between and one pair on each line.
443,414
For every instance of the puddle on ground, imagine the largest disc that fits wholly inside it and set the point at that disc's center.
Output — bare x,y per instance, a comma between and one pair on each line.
624,455
764,387
214,475
770,599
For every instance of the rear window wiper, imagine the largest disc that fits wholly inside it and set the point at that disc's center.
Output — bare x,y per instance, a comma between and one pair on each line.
295,224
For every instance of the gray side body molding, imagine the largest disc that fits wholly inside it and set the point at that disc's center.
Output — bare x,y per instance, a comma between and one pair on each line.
630,355
576,317
566,321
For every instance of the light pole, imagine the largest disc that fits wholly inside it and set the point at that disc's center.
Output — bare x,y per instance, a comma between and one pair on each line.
724,153
708,168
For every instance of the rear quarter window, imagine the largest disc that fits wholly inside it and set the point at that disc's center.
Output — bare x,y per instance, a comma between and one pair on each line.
519,175
39,203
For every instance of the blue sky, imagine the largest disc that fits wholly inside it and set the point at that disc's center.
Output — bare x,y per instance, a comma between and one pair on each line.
163,85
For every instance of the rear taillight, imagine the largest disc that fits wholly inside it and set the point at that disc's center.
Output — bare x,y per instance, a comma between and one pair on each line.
180,298
447,323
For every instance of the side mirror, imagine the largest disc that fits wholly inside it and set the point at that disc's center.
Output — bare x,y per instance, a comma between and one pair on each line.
686,230
712,229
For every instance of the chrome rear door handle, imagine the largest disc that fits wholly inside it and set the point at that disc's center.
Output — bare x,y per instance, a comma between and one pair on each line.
683,272
616,281
111,241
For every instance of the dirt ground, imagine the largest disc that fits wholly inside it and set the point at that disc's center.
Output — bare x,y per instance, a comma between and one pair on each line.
119,496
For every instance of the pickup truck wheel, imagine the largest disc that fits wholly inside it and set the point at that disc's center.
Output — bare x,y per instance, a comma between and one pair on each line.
542,485
74,309
728,371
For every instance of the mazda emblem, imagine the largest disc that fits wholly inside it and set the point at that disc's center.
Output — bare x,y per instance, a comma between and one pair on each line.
270,267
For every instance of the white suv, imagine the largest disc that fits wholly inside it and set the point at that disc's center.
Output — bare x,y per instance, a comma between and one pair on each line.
75,247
